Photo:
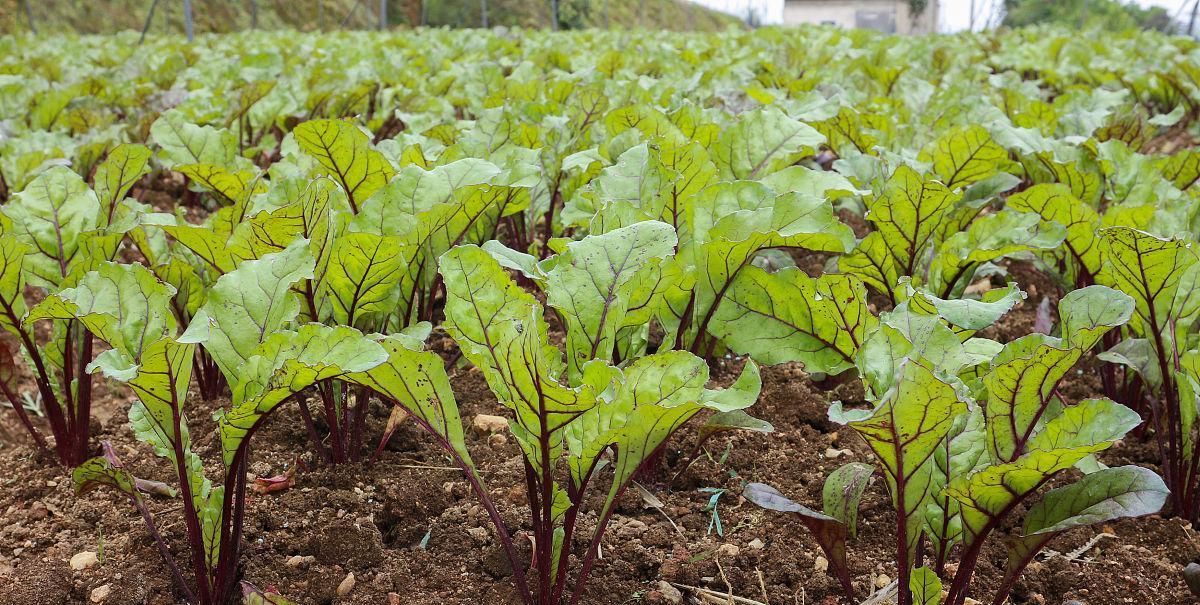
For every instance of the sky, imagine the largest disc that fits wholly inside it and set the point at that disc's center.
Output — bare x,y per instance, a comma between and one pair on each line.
955,13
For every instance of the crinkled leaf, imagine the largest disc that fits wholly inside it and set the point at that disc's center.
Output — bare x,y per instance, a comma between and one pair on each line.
592,285
54,216
761,142
285,363
416,380
126,306
362,274
182,142
788,316
904,430
345,152
965,156
245,306
500,329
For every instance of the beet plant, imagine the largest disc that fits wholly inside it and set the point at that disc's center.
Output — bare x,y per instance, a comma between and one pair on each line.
249,326
374,233
581,421
717,289
936,228
54,231
1162,275
967,431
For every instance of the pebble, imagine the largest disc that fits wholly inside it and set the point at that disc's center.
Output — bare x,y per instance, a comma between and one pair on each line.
729,550
670,593
834,454
970,601
479,534
38,511
882,580
486,423
1074,602
1191,575
346,585
497,440
100,593
821,564
756,544
84,560
393,598
300,561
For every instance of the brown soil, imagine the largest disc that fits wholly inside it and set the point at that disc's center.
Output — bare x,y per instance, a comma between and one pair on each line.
408,525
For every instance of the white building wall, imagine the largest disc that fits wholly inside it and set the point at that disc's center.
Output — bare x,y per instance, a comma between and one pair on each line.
849,14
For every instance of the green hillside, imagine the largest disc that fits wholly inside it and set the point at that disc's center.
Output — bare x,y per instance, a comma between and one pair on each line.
108,16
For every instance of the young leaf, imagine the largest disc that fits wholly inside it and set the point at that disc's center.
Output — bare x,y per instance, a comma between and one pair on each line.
254,596
904,430
125,165
828,531
844,488
925,586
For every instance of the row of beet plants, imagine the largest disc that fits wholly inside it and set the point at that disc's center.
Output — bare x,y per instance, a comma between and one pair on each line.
316,282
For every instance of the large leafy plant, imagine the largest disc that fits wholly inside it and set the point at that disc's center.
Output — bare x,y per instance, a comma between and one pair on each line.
939,228
55,231
1162,276
738,211
573,418
249,326
373,231
966,431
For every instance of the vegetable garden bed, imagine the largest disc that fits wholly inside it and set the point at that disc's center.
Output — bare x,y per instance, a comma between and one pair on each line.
271,307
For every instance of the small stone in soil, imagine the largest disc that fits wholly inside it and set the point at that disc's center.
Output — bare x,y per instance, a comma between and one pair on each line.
84,560
834,454
821,564
300,561
347,585
100,593
487,423
1191,575
728,550
882,580
670,593
480,534
756,544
